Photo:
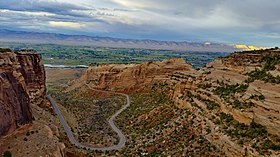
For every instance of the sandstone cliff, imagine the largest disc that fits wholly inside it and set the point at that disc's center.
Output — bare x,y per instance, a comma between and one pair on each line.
22,81
33,71
23,107
235,69
240,86
132,77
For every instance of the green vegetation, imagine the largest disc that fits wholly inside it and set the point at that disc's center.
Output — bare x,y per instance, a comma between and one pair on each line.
257,97
28,133
88,111
226,89
7,154
262,75
156,127
248,133
210,105
270,60
91,113
86,55
228,93
241,105
268,144
5,50
207,72
252,131
261,51
205,86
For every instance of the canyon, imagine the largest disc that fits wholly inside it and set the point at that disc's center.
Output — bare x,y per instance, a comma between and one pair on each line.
233,101
230,107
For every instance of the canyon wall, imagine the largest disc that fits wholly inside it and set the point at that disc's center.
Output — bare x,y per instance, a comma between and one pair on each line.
22,81
132,77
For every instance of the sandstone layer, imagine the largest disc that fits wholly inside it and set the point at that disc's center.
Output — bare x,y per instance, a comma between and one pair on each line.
22,81
132,77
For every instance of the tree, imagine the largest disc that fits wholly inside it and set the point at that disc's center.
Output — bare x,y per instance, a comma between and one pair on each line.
7,154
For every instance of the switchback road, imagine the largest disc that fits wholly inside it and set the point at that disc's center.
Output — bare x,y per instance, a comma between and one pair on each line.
111,123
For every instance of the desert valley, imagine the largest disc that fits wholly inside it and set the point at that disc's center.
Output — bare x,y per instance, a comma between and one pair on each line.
142,78
230,107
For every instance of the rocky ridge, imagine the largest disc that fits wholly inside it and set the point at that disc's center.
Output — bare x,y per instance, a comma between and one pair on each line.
24,114
22,82
234,100
78,40
132,77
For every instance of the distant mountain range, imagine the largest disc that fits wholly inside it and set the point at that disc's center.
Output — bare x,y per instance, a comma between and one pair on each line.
81,40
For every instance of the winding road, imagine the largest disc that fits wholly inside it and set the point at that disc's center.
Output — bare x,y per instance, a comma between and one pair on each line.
69,132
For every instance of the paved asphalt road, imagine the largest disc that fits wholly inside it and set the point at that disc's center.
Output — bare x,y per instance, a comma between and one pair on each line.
111,123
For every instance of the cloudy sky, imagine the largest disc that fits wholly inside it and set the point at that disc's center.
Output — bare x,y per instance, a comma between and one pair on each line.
225,21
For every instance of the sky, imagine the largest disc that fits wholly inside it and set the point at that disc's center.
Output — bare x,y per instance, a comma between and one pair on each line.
251,22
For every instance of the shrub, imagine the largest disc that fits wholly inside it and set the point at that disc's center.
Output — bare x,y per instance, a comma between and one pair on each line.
7,154
257,97
28,133
205,86
242,105
226,89
226,117
207,72
5,50
263,74
211,105
217,121
241,142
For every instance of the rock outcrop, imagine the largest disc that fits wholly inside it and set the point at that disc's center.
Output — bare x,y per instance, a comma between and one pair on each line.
235,69
34,76
132,77
22,101
22,81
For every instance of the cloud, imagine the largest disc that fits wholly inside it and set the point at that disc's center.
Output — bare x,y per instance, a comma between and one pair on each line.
53,6
250,21
66,24
189,8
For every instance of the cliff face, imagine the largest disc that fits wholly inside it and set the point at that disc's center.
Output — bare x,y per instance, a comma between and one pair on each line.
241,86
33,71
132,77
22,81
240,68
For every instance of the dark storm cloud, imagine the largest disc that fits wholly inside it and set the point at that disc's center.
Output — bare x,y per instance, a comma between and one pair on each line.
37,13
38,5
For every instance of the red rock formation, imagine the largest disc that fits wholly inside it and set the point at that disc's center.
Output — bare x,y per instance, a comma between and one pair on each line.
34,76
22,81
132,77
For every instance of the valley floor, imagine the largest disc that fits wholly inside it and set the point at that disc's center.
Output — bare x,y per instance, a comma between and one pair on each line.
228,108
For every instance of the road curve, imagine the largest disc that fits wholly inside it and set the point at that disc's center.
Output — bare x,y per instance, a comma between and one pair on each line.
111,123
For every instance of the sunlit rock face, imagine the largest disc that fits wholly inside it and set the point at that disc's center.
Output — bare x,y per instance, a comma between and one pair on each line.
132,77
